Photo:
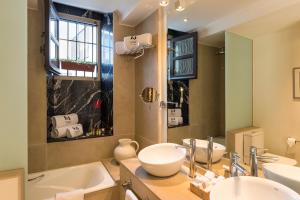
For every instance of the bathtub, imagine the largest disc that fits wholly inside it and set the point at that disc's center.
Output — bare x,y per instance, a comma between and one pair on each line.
91,177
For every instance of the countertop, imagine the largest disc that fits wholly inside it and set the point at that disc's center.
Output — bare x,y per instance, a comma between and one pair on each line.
176,187
113,168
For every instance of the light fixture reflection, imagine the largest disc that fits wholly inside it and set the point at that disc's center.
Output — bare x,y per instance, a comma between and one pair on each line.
179,5
164,3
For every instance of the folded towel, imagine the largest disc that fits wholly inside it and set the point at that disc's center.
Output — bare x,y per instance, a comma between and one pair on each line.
121,49
59,132
64,120
130,195
131,43
62,132
74,131
175,121
174,112
73,195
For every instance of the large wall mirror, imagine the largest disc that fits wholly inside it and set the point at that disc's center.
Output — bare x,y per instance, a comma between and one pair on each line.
241,88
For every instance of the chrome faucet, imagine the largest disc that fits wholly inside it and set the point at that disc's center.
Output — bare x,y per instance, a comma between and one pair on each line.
235,167
210,149
254,160
192,152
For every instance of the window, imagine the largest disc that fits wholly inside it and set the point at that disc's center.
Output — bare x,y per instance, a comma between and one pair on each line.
78,42
107,47
76,47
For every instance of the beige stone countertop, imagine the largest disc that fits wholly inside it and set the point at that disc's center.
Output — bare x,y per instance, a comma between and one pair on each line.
113,168
176,187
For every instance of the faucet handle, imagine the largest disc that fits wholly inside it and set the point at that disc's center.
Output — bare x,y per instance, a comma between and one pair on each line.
254,149
234,157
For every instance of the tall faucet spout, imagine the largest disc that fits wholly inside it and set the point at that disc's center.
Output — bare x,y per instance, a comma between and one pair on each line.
210,149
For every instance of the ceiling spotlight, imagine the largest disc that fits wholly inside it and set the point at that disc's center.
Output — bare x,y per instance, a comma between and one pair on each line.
185,19
164,3
179,5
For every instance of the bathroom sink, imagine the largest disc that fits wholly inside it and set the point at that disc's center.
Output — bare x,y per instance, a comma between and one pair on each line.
201,150
285,174
249,188
163,159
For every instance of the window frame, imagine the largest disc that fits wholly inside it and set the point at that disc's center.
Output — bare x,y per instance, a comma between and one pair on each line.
97,23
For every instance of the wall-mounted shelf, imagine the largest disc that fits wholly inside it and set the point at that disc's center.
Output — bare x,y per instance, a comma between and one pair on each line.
137,52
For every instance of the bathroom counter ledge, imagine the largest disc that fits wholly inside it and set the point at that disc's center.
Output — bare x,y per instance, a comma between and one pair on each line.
113,168
176,187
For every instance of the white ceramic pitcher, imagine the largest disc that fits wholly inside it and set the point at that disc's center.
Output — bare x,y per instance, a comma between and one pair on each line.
125,149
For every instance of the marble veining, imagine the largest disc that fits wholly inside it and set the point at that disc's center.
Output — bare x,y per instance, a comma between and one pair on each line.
88,98
174,94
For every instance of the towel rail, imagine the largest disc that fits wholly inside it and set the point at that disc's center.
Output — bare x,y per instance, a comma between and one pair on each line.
127,185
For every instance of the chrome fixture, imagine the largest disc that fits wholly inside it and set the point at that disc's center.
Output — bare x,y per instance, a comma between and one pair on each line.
210,149
192,153
164,104
254,158
221,51
164,3
149,95
235,167
179,5
253,161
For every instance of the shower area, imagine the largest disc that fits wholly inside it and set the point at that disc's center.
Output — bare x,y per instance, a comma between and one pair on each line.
201,99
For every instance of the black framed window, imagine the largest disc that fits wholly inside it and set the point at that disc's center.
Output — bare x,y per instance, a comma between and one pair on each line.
78,42
183,57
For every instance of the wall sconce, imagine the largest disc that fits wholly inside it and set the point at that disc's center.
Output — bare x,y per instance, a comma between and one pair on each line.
164,3
179,5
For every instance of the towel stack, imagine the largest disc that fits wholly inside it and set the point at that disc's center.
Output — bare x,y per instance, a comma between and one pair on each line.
175,117
66,126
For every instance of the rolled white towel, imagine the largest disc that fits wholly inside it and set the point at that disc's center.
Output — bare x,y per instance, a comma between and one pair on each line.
59,132
59,121
73,195
74,131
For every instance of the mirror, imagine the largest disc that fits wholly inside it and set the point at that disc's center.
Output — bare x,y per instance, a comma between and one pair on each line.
149,95
242,90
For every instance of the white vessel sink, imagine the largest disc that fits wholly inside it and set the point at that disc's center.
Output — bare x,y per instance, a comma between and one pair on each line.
163,159
201,150
250,188
285,174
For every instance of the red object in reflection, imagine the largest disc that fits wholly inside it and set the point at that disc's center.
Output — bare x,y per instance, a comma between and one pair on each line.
98,104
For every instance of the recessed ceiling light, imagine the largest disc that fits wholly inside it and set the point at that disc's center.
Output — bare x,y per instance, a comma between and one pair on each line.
185,19
179,5
164,3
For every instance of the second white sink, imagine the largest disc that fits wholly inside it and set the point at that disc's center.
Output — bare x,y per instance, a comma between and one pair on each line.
163,159
201,150
250,188
285,174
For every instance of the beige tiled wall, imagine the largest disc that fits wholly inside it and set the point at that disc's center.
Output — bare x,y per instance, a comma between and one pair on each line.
43,156
205,99
149,122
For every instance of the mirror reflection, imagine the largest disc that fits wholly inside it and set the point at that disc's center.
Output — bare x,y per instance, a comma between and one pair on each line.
233,88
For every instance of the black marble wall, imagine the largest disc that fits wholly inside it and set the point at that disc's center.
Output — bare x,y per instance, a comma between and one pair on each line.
174,96
91,100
